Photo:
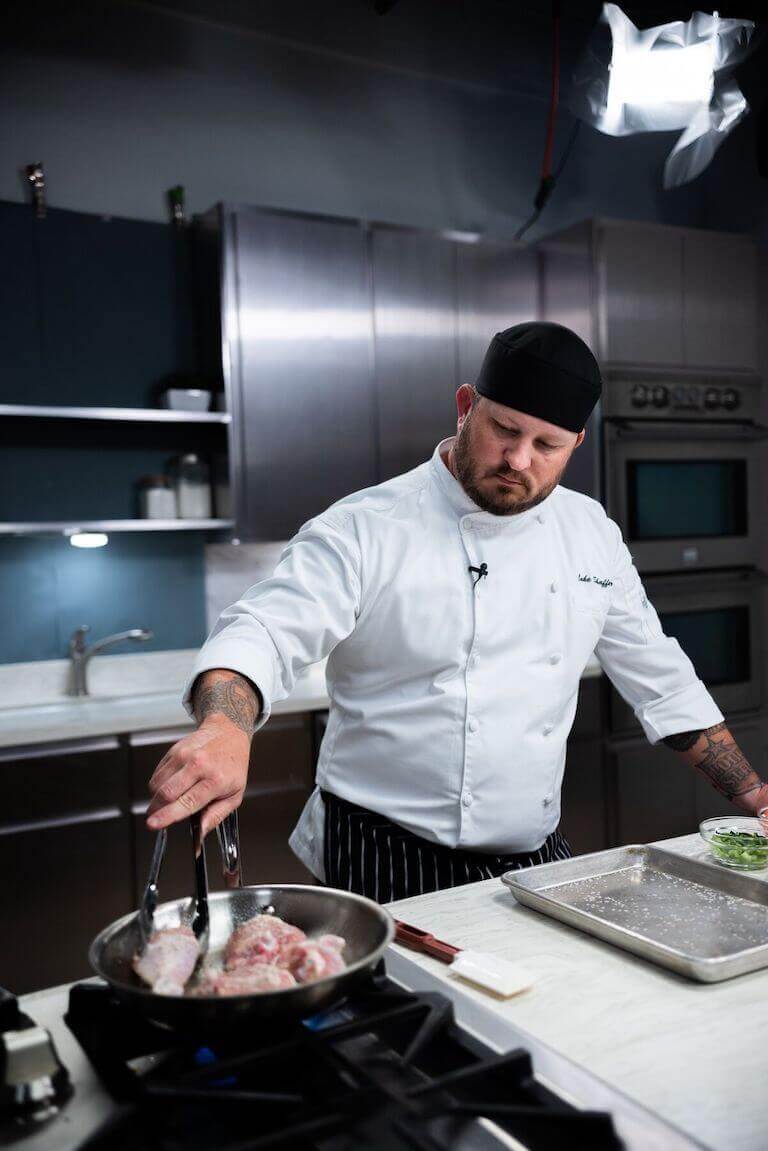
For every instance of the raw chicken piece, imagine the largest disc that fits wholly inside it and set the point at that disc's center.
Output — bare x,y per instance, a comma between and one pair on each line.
314,959
334,941
246,980
260,940
168,960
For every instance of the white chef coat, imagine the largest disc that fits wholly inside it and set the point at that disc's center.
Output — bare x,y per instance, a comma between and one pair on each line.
451,701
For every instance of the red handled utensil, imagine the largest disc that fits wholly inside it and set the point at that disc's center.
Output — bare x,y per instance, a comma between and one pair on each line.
489,972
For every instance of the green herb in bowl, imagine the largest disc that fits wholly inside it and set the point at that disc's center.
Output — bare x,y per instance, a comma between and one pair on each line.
739,843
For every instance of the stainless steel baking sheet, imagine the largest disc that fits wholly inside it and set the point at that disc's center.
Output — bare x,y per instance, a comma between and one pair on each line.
696,918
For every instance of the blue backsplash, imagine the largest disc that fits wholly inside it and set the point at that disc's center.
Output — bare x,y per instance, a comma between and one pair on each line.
48,588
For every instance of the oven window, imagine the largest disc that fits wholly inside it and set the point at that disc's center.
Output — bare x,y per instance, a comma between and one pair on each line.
683,499
716,642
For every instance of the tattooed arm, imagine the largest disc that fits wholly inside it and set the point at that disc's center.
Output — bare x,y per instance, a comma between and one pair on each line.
715,753
207,770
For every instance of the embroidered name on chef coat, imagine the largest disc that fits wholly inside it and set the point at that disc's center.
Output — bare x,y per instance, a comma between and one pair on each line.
596,579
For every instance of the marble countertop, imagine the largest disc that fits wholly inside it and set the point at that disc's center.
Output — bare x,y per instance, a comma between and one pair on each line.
693,1053
86,717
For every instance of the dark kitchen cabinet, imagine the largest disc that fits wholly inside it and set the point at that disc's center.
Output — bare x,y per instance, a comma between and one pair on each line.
654,792
65,857
82,287
20,317
584,796
280,779
658,796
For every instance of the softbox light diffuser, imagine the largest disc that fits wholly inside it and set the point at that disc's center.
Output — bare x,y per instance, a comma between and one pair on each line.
676,75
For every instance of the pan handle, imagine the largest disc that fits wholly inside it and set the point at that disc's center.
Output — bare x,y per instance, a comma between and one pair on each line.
228,832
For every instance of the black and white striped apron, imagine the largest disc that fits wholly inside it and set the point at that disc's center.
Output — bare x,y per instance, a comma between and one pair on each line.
367,853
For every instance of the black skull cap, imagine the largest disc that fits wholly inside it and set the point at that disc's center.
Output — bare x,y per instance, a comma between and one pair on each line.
544,370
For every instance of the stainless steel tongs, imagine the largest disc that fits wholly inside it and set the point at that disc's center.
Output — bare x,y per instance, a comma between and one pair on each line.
229,844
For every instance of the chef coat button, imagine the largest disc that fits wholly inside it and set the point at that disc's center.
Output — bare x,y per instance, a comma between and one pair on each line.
466,799
540,518
546,801
553,586
473,725
474,660
555,657
548,728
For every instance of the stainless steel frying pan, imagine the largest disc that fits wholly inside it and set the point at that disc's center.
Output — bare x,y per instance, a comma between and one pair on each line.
367,928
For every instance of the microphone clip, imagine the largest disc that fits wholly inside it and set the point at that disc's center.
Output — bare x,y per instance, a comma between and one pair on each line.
479,572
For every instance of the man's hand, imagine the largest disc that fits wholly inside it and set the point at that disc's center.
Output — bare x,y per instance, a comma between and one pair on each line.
207,771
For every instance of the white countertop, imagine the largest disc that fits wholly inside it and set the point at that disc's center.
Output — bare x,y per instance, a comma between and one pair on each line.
129,693
694,1053
88,716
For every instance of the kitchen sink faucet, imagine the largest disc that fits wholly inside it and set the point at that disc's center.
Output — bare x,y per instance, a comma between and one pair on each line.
80,653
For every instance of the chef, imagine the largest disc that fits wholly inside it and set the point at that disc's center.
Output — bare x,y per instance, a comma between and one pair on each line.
457,606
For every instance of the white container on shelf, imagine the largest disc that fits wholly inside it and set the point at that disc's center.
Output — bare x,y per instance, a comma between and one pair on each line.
193,488
186,399
157,498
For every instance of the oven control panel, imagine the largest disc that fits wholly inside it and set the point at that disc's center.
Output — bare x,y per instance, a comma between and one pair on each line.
669,398
685,396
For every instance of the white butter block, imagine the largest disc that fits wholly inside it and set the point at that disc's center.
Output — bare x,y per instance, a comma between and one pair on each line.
492,973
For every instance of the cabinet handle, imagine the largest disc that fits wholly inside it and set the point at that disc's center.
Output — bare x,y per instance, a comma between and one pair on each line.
99,816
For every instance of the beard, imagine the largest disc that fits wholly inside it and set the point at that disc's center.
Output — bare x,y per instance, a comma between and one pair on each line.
497,499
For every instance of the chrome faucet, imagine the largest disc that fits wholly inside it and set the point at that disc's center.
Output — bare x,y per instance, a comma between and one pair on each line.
80,653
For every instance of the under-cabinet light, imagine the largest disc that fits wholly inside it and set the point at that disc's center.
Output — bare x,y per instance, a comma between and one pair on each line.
88,539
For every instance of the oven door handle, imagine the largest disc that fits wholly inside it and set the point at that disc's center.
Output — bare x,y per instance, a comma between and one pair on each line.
667,430
691,583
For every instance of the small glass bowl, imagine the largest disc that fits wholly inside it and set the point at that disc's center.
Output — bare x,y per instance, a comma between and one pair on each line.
738,841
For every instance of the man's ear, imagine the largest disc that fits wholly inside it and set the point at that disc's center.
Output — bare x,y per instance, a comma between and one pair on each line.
464,399
579,439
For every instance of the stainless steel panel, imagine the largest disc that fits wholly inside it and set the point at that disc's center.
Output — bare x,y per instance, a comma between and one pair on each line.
567,282
496,287
695,918
298,331
720,300
640,300
567,297
415,344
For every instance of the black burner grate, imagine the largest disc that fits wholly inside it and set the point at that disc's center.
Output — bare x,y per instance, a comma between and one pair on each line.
385,1069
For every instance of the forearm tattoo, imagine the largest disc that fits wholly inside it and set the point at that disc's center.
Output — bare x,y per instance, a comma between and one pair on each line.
719,759
232,696
685,739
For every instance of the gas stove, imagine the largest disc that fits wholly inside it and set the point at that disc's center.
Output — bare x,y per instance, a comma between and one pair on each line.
384,1068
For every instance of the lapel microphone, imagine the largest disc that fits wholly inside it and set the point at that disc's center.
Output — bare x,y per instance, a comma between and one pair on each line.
480,572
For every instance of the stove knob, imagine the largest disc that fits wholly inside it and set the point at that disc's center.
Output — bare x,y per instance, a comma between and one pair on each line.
660,396
638,397
731,399
711,399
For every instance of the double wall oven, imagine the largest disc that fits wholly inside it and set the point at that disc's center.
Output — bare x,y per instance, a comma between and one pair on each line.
681,473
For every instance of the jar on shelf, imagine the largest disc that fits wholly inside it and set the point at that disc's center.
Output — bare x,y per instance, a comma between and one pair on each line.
193,487
157,498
